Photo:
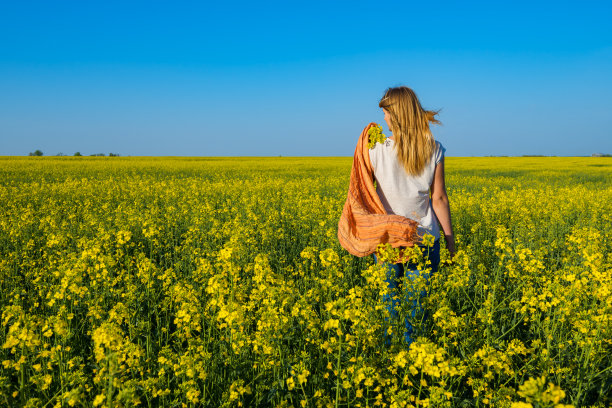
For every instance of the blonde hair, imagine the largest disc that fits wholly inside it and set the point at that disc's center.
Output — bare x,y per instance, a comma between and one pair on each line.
414,141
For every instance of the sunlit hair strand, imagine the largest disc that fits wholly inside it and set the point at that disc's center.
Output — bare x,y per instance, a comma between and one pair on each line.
414,141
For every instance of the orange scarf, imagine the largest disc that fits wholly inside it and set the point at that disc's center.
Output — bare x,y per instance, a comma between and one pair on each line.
364,222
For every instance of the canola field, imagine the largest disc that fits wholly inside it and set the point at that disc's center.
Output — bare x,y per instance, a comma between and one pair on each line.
220,282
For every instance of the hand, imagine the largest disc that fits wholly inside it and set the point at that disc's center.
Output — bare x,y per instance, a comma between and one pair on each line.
450,245
450,242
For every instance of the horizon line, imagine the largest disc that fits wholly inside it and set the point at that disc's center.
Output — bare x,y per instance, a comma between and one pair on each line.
98,156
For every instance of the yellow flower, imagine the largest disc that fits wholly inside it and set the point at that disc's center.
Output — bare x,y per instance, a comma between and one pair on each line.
428,240
375,136
302,378
98,400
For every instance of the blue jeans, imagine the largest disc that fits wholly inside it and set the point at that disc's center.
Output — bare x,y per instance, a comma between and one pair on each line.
406,292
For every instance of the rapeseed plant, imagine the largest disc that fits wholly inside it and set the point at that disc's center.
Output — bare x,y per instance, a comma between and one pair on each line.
220,282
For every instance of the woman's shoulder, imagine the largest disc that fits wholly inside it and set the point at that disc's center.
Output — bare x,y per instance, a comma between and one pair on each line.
438,152
382,153
388,142
381,149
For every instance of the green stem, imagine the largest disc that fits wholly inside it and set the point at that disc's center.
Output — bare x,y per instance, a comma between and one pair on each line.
339,371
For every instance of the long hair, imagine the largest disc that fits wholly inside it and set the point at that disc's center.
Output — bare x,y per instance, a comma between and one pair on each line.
414,141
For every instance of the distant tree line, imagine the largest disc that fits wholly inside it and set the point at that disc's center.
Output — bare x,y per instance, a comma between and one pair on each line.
40,153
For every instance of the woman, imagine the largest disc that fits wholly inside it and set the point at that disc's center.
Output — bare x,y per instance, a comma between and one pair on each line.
408,166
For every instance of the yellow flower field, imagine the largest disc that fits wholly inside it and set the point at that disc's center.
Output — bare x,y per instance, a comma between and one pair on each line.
186,282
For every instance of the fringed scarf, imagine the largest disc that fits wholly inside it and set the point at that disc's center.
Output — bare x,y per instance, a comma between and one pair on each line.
364,222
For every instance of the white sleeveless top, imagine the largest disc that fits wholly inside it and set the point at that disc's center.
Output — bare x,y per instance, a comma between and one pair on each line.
401,193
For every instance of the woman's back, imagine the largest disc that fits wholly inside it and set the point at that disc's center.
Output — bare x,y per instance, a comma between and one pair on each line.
404,194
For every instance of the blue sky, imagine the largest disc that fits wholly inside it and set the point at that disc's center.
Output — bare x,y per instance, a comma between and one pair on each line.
301,78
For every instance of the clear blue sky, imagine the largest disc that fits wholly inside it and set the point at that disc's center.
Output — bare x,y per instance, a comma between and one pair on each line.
301,78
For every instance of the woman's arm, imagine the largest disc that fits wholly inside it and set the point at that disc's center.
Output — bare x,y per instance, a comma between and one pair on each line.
439,202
